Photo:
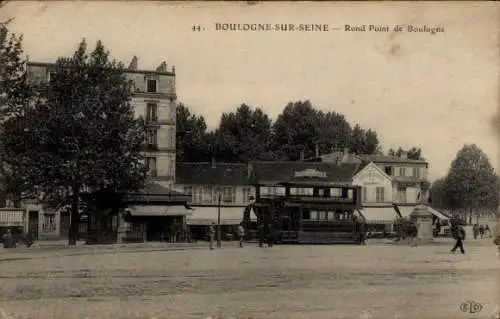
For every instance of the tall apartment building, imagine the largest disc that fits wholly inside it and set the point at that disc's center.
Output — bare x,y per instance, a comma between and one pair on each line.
154,98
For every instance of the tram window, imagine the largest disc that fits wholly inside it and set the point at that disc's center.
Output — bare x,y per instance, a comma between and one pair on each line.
314,215
336,192
280,191
331,215
293,190
350,194
321,192
322,215
306,214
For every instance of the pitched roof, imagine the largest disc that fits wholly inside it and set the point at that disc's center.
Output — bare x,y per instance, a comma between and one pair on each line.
302,172
376,167
153,192
205,173
387,159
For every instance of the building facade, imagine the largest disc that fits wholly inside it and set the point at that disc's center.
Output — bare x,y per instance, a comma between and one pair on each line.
214,189
408,176
153,98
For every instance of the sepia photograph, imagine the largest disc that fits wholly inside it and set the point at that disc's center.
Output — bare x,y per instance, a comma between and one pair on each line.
249,160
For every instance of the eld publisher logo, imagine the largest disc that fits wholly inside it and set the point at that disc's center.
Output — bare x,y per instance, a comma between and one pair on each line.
471,307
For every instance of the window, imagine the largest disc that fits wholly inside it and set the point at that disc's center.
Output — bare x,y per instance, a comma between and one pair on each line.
151,86
207,195
322,215
51,77
247,193
314,215
151,112
331,215
152,138
402,171
301,191
197,195
350,194
336,192
416,172
380,195
228,195
363,194
172,138
321,192
151,165
49,223
402,194
388,170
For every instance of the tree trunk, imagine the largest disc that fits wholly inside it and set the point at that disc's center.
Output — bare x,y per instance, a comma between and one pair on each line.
470,215
75,218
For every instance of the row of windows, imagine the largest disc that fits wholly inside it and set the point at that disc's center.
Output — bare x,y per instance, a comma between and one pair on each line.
305,191
404,171
380,195
210,195
151,84
326,215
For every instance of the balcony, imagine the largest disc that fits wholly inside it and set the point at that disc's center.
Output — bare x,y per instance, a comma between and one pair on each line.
152,120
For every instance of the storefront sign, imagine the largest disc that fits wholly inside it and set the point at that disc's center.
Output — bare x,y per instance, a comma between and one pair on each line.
310,173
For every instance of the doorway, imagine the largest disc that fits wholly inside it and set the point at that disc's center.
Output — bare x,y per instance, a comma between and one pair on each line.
33,224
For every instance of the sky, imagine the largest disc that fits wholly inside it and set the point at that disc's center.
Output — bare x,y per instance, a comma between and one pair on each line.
435,91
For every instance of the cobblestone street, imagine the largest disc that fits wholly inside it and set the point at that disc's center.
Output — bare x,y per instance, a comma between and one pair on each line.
375,281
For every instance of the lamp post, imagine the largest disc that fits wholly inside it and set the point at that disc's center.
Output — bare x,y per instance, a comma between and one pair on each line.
218,220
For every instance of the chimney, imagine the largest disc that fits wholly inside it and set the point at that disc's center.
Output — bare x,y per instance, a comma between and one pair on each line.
302,155
404,155
133,64
317,150
213,162
162,67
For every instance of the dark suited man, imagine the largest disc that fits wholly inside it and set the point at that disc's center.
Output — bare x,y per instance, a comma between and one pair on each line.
459,235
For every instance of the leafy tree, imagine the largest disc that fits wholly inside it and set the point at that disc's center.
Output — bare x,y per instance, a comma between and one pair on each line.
471,182
81,137
436,194
244,135
192,140
296,129
14,95
333,131
364,141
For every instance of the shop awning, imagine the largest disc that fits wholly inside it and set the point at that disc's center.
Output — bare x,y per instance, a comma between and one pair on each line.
209,215
158,210
382,215
406,210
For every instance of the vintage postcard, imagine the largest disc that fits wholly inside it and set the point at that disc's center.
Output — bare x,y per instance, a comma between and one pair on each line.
203,160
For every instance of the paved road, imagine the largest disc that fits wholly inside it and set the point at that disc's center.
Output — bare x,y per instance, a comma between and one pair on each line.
375,281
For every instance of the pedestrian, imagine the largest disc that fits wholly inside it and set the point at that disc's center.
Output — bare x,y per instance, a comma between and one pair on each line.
211,235
487,229
241,234
496,234
413,234
475,231
362,233
8,240
481,231
459,235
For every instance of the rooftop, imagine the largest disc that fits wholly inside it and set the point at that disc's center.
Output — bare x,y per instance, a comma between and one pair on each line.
206,173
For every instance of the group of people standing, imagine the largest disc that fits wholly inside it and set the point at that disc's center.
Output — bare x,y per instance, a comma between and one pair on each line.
481,231
212,234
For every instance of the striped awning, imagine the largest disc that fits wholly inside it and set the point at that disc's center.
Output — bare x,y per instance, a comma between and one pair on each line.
158,210
437,214
406,210
383,215
209,215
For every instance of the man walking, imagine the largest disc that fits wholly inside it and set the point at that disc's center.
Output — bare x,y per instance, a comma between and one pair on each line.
241,234
459,235
211,235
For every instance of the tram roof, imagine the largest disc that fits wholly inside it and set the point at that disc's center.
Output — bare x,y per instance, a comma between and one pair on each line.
302,173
